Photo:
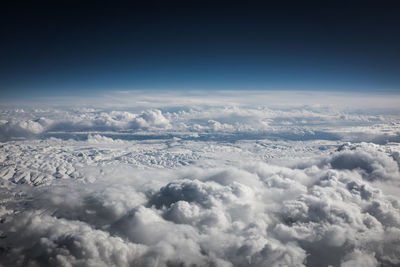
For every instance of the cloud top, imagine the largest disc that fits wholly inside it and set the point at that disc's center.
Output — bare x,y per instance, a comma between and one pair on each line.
317,214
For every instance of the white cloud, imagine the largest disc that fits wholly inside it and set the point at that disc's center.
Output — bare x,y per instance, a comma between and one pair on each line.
253,114
178,182
259,214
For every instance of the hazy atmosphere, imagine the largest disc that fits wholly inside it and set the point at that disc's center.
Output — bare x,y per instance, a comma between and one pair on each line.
199,134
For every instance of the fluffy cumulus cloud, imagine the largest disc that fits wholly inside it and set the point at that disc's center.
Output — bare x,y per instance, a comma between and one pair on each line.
326,211
248,115
186,182
23,126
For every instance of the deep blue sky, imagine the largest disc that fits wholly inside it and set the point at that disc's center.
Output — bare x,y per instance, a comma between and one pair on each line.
76,47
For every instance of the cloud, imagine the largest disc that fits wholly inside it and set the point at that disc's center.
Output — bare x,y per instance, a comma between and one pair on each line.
182,180
255,115
86,121
23,128
357,258
372,163
151,118
51,241
255,214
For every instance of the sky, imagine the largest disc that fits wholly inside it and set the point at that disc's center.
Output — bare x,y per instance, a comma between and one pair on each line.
64,48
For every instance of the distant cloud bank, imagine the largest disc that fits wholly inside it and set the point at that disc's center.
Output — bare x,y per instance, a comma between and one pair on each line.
290,115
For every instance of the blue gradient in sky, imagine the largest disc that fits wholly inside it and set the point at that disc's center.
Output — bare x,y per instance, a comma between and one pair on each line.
83,48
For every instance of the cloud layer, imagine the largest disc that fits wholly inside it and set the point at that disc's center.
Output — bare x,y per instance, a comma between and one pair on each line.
330,210
287,115
186,179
